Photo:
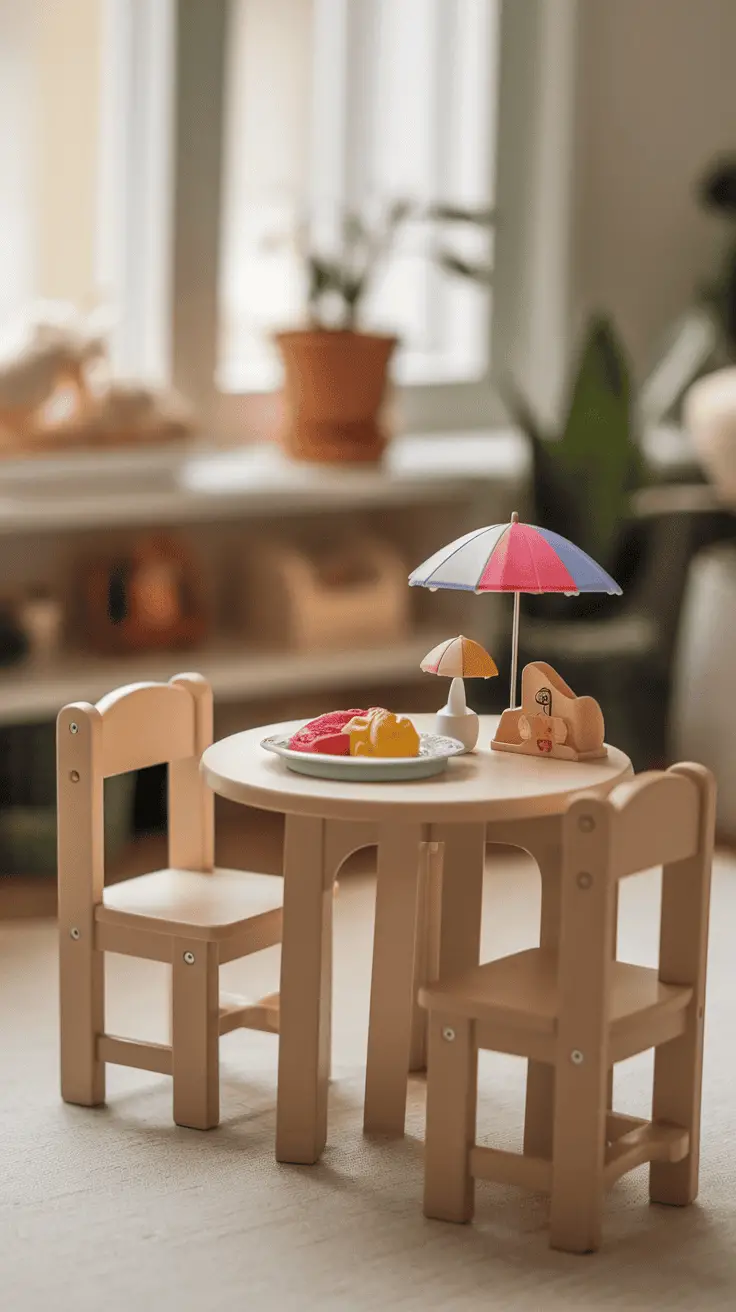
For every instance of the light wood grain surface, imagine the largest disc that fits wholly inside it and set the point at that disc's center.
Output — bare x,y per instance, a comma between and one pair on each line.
482,785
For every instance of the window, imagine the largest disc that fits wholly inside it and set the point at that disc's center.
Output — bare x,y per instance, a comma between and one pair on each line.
85,156
337,105
294,109
154,150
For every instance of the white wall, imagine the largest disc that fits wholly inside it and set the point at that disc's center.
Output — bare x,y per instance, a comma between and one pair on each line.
656,99
49,149
17,96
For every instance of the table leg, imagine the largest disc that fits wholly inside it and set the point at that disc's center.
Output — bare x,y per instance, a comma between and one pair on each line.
427,948
305,993
392,983
462,896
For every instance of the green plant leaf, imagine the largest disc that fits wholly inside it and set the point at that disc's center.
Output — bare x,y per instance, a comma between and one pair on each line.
353,229
324,275
441,213
400,211
597,451
555,499
452,263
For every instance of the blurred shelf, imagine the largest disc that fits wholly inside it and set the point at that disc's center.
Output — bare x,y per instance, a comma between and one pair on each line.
167,485
27,897
32,693
680,498
87,490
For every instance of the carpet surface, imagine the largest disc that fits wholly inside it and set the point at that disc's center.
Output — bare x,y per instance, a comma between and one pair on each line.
113,1209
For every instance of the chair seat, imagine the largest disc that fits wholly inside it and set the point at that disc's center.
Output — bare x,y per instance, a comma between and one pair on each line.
208,906
521,992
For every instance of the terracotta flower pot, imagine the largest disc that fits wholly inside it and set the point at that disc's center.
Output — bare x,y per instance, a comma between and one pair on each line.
334,388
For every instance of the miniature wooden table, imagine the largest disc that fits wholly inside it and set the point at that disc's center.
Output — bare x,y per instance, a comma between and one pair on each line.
431,838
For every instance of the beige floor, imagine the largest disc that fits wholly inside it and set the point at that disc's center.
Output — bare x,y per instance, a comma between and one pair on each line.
118,1209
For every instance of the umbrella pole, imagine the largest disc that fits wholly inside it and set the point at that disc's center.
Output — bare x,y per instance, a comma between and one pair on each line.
515,648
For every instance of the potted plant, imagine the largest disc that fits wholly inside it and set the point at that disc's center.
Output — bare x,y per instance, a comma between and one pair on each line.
335,372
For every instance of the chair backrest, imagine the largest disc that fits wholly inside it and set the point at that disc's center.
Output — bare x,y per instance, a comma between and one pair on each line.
134,727
662,818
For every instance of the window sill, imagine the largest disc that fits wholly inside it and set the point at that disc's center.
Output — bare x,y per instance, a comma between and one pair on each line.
200,482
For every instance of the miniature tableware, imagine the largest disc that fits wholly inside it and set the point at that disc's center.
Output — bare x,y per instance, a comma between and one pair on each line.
434,753
459,658
514,558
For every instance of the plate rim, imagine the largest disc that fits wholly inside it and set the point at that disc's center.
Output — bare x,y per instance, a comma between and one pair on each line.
355,762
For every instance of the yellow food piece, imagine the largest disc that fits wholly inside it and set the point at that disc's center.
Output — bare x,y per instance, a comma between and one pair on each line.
380,733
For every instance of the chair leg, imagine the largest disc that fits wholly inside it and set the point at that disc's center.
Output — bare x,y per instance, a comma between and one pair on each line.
196,1034
676,1099
452,1081
578,1156
540,1077
82,1018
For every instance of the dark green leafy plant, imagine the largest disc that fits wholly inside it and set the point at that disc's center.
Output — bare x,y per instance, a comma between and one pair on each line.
337,284
584,477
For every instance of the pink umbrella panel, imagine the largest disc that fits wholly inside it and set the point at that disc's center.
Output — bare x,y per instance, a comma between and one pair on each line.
516,558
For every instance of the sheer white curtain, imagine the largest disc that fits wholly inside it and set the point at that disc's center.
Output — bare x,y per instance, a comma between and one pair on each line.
18,213
49,151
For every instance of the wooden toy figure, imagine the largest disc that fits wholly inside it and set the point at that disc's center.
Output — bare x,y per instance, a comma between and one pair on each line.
564,726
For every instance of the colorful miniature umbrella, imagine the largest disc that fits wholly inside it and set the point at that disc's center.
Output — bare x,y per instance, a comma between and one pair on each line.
460,658
514,558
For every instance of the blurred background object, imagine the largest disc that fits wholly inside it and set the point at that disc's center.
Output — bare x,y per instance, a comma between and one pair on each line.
147,598
194,193
704,712
710,415
57,392
718,193
348,591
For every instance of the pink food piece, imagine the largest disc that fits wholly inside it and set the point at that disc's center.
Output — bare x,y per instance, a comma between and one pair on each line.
325,726
332,744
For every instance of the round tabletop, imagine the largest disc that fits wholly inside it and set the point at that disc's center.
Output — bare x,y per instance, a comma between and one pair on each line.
482,785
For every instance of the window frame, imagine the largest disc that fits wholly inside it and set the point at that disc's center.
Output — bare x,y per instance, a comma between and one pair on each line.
135,181
534,188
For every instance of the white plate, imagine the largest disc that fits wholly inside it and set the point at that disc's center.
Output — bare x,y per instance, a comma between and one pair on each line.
434,753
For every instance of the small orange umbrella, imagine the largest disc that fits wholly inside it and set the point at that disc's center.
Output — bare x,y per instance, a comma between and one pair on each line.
459,658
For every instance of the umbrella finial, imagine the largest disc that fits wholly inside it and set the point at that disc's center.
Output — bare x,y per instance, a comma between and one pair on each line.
514,516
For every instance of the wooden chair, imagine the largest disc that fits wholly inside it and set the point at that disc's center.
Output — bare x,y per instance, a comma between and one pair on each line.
190,915
581,1011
